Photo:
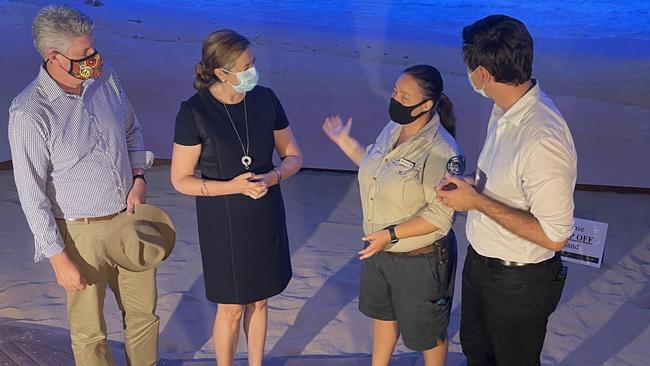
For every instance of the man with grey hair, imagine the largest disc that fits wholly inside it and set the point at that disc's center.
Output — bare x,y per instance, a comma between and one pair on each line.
78,160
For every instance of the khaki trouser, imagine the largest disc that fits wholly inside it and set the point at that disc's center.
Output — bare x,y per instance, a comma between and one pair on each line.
135,293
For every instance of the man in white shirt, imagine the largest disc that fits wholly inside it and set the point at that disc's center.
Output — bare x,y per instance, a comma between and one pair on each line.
519,203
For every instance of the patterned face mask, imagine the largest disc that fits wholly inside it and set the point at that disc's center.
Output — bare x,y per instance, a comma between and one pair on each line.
86,68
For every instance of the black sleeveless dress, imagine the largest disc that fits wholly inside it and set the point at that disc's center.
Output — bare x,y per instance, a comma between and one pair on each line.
244,244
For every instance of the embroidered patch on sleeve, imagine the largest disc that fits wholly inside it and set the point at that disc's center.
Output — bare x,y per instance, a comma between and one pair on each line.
456,165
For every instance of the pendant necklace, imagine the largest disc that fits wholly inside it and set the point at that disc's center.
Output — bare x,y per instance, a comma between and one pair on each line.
246,160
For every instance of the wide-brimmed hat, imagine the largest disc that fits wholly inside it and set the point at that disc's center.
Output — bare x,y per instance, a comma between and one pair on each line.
140,241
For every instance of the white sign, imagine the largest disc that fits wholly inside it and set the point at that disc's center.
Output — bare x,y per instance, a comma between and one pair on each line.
587,243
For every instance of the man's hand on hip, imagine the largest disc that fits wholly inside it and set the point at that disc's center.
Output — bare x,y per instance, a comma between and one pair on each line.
67,273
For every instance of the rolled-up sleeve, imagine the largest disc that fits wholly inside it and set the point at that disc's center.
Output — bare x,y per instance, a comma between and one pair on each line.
548,182
31,160
434,212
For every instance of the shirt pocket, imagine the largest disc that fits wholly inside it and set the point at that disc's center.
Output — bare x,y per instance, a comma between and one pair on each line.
402,181
403,171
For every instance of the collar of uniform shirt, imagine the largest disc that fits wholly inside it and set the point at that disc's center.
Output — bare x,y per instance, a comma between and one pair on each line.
516,113
426,133
52,90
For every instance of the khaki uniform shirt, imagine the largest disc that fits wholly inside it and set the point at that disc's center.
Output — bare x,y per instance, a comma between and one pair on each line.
398,183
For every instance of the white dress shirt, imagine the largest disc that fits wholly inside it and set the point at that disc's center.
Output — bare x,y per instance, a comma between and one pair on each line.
528,162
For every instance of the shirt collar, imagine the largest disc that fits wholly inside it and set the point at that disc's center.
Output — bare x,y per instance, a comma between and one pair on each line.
516,113
52,90
426,133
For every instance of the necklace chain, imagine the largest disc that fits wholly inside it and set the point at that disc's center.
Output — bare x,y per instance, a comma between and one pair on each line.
247,149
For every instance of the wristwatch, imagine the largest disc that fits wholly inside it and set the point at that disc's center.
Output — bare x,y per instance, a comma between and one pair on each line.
140,176
393,237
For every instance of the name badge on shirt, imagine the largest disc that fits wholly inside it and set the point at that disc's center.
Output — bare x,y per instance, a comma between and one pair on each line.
406,163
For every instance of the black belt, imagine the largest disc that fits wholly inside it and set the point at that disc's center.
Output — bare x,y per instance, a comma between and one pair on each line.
505,263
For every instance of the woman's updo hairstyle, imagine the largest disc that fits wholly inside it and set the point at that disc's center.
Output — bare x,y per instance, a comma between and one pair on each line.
220,50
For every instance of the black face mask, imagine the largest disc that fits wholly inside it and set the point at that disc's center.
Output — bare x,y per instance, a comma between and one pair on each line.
401,114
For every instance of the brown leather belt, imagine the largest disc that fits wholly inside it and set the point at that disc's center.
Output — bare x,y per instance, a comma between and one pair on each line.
440,249
87,220
415,252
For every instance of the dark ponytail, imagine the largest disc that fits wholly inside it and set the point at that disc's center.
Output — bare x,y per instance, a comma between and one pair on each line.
430,80
446,112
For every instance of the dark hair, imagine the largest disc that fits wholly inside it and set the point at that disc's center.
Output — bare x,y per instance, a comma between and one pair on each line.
430,81
502,45
220,50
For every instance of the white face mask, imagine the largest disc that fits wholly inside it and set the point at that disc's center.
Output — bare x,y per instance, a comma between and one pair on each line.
247,79
480,91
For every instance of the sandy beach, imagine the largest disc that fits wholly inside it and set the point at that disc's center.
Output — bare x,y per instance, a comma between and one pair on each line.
326,59
329,58
602,319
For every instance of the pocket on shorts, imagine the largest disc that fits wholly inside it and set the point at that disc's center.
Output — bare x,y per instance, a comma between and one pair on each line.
438,274
432,268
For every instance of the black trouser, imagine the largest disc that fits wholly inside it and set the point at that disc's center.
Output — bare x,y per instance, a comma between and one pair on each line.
504,310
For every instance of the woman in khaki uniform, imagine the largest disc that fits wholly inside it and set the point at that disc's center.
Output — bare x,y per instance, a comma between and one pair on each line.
409,261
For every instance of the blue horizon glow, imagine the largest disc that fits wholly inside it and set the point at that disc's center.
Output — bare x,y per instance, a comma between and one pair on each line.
580,19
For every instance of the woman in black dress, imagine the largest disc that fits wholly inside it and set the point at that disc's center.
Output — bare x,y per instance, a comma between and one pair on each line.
230,129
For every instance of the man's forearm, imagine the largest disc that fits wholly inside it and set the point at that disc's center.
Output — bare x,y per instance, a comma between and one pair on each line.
518,222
